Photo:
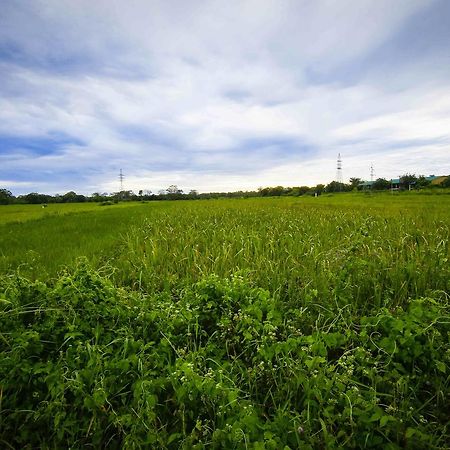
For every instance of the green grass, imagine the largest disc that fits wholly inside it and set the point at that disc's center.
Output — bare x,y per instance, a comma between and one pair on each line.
372,249
246,323
24,213
382,251
40,241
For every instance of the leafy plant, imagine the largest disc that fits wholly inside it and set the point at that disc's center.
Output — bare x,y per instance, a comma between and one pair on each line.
220,363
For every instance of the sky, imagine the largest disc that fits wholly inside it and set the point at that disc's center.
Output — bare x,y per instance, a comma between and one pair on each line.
220,95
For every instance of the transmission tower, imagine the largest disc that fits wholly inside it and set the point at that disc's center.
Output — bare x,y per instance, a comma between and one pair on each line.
339,178
372,172
121,178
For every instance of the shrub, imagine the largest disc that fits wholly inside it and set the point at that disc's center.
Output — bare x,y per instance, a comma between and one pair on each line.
219,364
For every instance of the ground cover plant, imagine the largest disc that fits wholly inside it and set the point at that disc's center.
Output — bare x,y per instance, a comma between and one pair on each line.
259,323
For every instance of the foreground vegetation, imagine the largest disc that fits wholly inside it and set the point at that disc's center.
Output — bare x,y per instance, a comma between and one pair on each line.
258,323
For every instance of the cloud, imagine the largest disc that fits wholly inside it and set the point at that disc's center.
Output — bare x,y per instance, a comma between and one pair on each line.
219,95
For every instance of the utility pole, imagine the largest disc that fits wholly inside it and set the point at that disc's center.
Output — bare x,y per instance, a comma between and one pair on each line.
372,172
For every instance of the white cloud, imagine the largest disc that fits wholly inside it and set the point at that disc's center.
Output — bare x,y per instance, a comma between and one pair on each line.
173,92
425,116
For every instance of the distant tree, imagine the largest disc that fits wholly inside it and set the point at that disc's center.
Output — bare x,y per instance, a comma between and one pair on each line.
295,191
97,197
174,193
173,189
193,193
69,197
6,197
446,182
335,186
273,191
422,181
73,197
304,190
381,184
318,188
279,190
35,198
124,195
146,193
354,182
408,180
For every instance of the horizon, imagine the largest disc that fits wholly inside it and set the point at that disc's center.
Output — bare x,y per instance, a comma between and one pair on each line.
220,97
164,191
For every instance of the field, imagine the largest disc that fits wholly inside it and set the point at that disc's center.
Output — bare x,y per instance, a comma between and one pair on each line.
247,323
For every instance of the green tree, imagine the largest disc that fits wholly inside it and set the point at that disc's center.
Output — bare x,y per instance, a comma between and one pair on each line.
35,198
173,189
318,189
295,191
6,197
124,195
73,197
354,182
422,181
381,184
304,189
95,197
274,191
69,197
408,181
174,193
335,186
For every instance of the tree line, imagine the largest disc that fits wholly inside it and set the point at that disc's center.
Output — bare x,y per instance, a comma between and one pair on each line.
407,182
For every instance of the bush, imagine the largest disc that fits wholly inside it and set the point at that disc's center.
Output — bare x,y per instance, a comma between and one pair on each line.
218,364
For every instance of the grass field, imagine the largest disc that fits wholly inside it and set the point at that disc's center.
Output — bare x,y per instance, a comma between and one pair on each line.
247,323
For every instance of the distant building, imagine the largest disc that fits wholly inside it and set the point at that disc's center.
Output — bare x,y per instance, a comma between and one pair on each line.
366,185
395,182
436,180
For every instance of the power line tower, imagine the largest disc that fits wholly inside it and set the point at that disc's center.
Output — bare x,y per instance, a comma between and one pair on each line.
121,178
372,172
339,178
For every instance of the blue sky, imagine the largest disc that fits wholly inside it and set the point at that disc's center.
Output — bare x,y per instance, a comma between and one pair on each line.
220,95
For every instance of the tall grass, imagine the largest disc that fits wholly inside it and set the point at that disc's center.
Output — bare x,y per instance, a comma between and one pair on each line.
325,251
39,242
363,250
252,323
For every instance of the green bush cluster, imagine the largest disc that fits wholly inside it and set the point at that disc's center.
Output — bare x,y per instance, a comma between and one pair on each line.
218,364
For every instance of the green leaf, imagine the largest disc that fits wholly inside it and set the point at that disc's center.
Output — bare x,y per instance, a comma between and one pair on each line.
174,437
376,415
441,366
385,419
232,396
